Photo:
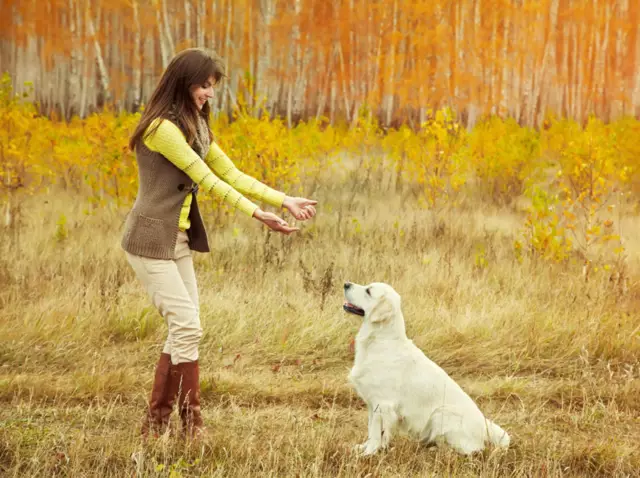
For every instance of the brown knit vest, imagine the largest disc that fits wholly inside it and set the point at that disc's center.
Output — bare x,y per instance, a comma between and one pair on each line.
151,228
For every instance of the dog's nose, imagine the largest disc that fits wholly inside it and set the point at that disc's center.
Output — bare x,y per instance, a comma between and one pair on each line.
347,285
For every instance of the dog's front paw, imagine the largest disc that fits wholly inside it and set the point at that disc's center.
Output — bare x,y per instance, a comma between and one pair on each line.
367,448
358,449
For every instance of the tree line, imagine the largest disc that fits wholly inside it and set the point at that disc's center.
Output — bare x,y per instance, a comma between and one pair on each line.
303,59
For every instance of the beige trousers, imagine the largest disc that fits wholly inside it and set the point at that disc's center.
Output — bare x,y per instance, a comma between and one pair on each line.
173,289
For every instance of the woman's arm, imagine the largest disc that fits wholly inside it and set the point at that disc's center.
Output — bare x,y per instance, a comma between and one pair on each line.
169,141
220,163
301,208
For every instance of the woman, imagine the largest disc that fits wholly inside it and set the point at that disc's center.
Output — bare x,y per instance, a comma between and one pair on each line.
176,157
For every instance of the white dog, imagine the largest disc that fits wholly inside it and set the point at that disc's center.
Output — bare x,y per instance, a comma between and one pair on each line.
403,389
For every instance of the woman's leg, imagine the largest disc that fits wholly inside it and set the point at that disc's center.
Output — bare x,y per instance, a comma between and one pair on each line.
169,294
177,371
189,396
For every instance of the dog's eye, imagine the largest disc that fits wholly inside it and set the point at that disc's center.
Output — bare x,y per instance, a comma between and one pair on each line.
369,291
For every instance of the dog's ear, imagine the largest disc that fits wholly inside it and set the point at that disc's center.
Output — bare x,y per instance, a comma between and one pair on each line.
383,310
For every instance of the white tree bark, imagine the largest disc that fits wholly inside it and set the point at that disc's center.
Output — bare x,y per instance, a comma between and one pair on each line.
618,101
187,22
462,13
148,65
171,49
164,48
504,87
267,13
252,63
332,102
547,64
565,74
391,69
102,69
575,110
302,62
473,108
227,52
345,92
214,14
636,88
72,99
601,65
492,69
85,83
353,41
200,16
294,60
137,58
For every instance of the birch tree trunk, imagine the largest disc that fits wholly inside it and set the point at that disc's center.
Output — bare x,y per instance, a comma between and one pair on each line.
267,12
519,31
252,63
575,74
636,88
345,93
334,90
618,103
460,52
171,49
303,59
137,59
187,22
391,69
324,86
227,52
147,65
294,60
602,41
75,59
473,108
591,74
504,87
546,64
492,100
352,53
214,14
550,70
565,75
201,12
164,48
528,99
85,82
102,69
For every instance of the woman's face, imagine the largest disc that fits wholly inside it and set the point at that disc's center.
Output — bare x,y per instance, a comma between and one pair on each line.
202,93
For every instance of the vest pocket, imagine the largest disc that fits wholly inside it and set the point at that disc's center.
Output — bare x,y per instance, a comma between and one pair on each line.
151,229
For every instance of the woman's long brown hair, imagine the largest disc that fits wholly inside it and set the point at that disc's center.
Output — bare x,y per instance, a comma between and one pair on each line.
193,66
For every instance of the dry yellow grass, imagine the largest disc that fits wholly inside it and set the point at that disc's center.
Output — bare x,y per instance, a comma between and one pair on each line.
552,359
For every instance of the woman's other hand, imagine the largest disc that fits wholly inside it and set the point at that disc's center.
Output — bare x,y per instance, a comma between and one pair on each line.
274,222
300,208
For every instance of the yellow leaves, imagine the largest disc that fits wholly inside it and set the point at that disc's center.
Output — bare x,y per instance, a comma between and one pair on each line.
480,258
429,157
610,237
570,174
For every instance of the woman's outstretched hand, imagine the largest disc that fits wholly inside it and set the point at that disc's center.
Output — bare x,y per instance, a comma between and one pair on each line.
300,208
274,222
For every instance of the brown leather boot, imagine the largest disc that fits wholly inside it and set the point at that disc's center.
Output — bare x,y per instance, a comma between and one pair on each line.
185,379
161,402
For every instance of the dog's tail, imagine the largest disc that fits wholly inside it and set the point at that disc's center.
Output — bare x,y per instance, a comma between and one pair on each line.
497,436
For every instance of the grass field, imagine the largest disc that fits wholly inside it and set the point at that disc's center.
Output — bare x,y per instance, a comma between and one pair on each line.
551,358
